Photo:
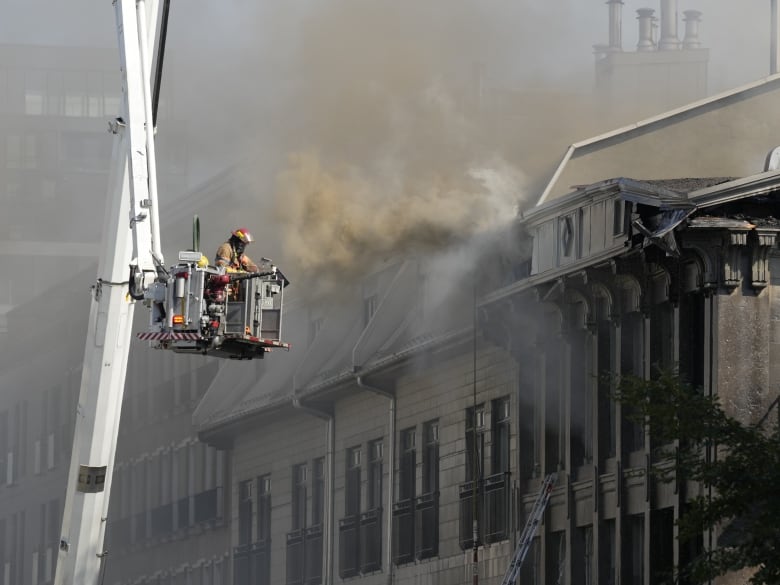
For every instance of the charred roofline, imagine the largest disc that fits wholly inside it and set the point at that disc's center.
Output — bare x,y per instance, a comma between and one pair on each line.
760,184
642,192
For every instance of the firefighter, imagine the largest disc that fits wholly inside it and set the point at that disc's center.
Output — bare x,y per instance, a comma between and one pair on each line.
231,253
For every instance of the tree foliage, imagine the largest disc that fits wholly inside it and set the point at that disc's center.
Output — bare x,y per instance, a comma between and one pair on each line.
735,466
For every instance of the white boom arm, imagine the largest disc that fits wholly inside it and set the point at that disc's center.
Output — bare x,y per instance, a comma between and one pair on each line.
130,237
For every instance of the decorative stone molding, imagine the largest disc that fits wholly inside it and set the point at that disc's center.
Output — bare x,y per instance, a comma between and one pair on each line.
602,293
579,317
732,257
705,255
551,320
630,294
763,243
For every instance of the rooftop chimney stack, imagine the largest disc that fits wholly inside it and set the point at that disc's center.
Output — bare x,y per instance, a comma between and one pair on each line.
645,18
669,40
692,20
615,25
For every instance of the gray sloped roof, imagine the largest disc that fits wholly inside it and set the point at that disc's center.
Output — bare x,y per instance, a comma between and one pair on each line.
343,347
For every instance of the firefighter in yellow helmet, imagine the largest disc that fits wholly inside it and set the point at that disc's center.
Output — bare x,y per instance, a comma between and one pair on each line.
231,253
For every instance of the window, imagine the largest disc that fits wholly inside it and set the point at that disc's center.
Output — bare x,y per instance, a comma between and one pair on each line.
618,217
470,493
427,505
408,465
264,508
529,572
13,151
606,415
496,486
567,236
661,338
376,450
245,497
349,543
313,537
33,102
430,478
403,509
299,496
500,447
552,404
582,554
528,424
296,537
475,441
352,488
485,500
662,546
581,400
692,338
634,550
556,557
607,555
370,547
631,363
21,152
318,492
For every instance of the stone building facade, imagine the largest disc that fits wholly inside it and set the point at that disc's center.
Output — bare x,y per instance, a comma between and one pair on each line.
399,422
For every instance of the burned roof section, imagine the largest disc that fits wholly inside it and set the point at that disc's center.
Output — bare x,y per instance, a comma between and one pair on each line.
689,184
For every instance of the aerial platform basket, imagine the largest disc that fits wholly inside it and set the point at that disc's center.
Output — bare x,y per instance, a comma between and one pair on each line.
200,309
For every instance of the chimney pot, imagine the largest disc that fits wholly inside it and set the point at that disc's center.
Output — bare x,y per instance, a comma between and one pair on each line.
645,18
669,40
692,20
615,25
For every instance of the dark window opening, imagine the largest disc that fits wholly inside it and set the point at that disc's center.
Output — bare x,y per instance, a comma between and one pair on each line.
633,551
633,434
607,555
553,411
692,339
299,477
581,442
529,571
500,447
349,526
528,429
427,505
252,558
582,555
606,416
556,558
662,546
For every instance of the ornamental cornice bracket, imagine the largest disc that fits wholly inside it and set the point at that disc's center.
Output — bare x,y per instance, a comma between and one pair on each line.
764,241
735,241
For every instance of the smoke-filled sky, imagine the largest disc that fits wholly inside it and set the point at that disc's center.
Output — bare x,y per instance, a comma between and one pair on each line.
363,116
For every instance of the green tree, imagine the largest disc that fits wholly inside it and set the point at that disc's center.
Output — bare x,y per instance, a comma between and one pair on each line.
736,465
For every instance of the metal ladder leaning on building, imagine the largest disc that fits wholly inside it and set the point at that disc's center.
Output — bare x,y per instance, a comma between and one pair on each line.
527,536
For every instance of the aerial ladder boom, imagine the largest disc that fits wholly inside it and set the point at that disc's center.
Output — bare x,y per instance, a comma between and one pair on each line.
130,238
529,531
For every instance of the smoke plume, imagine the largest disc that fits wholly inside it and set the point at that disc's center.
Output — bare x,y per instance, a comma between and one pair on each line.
392,154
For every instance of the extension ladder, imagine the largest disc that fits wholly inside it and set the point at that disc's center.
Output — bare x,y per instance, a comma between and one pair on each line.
527,536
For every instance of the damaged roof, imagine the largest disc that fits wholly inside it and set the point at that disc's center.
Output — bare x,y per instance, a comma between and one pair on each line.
728,134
